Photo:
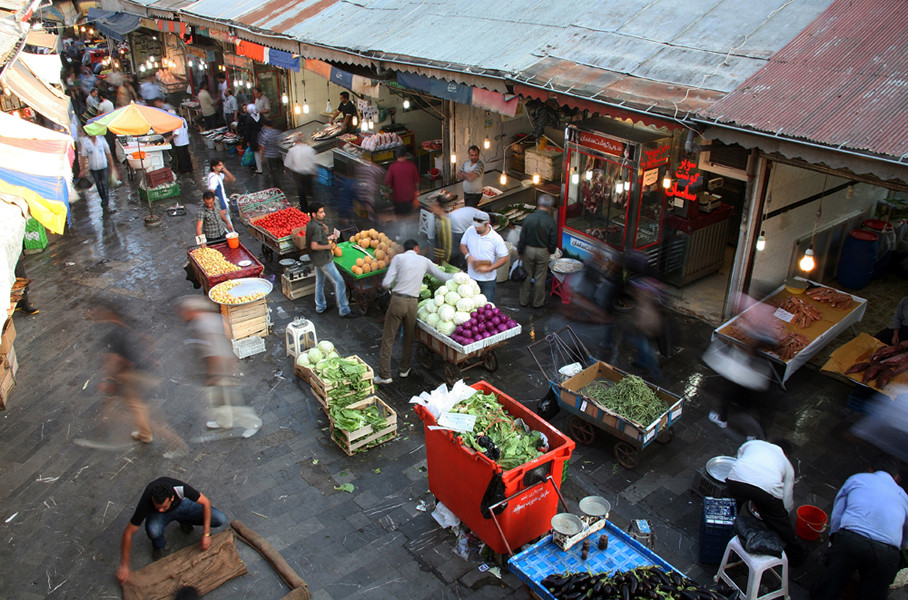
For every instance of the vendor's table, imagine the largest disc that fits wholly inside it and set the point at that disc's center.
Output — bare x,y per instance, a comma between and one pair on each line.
234,255
512,192
544,558
458,358
153,152
833,322
363,288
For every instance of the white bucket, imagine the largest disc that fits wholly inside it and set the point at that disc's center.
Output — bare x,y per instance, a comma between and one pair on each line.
145,163
209,142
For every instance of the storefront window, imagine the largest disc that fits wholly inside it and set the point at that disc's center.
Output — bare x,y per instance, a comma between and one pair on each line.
597,198
649,216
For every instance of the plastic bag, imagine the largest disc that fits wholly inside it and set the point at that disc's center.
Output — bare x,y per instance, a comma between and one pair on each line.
248,159
757,538
548,407
518,272
114,180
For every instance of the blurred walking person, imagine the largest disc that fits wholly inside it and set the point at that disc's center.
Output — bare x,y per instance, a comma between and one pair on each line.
300,161
538,241
220,364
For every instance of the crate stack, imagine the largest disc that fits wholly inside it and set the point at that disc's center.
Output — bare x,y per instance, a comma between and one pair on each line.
337,394
158,185
245,320
8,363
716,528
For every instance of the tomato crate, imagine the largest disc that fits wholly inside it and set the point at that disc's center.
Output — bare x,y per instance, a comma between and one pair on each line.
158,177
159,193
366,437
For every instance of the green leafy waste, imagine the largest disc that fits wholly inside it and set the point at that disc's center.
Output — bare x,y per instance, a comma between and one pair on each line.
352,419
341,370
630,398
517,443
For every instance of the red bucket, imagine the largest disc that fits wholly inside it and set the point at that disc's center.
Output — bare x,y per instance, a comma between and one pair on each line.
811,522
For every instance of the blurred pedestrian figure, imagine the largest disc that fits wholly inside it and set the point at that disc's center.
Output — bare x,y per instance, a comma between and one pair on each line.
403,179
24,303
150,90
646,322
594,293
484,251
868,527
126,93
461,220
538,241
230,108
886,424
92,101
249,127
442,238
898,330
220,367
208,107
127,378
321,253
95,157
180,140
404,279
269,140
300,160
471,174
763,476
218,176
163,501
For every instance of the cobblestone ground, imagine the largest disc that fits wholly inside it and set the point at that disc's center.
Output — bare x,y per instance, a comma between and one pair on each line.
64,506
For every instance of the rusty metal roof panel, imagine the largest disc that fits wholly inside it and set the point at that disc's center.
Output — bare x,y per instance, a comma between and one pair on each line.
841,82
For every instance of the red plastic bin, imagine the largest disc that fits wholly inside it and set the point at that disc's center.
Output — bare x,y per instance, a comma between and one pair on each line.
459,477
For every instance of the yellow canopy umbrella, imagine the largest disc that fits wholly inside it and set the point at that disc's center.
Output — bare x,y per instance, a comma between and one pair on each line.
134,119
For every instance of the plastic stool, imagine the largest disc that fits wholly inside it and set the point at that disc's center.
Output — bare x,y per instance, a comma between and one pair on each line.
424,216
300,336
560,288
757,565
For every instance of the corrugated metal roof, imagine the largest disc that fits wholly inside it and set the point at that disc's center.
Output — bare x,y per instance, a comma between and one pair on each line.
841,82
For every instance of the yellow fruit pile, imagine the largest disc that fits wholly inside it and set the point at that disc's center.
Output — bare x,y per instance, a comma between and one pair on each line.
385,249
221,294
213,262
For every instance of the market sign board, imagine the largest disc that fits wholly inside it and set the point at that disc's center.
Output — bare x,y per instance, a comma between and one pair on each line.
601,143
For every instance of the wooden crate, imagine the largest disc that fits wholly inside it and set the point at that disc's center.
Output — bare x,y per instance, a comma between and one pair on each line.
244,320
303,373
323,389
352,442
298,288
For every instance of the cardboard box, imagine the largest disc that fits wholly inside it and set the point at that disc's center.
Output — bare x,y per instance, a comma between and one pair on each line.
7,383
8,336
299,238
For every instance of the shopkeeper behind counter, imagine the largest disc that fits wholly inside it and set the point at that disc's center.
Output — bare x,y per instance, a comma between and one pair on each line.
898,330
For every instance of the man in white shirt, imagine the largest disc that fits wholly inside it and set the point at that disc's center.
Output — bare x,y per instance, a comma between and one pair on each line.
217,177
262,103
92,101
94,156
471,175
230,107
763,475
180,141
484,251
300,161
404,279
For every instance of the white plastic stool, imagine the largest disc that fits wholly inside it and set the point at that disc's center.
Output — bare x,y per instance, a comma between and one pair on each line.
424,217
757,565
300,336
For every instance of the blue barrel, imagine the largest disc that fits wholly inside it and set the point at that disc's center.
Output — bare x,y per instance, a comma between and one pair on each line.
858,259
887,244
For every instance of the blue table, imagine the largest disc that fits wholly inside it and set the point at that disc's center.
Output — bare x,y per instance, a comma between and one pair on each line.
545,558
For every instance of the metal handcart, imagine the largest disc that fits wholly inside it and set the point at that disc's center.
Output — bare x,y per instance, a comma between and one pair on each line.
257,205
564,348
458,358
361,289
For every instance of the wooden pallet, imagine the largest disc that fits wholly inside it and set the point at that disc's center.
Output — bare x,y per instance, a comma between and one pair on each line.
360,440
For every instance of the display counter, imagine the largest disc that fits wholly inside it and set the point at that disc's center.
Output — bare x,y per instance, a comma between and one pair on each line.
511,193
831,323
306,130
699,242
153,152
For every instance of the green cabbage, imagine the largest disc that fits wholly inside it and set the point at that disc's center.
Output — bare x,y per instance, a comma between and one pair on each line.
451,298
326,347
432,320
315,355
446,327
446,313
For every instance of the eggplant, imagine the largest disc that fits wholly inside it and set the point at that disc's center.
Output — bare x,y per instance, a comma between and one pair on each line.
625,592
632,586
689,595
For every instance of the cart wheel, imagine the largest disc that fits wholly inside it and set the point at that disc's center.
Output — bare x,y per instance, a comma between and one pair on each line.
490,361
424,356
267,253
451,372
666,436
626,455
581,431
361,304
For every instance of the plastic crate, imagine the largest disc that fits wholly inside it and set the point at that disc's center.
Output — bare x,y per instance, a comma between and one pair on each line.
158,177
716,528
459,476
703,485
35,235
159,193
248,346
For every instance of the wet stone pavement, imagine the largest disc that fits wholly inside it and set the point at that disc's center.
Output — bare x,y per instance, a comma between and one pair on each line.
64,506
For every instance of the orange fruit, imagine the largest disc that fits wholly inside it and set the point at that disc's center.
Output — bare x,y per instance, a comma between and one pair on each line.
360,262
357,270
380,253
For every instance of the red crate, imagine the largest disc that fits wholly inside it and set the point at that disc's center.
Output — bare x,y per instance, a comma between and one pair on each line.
158,177
458,477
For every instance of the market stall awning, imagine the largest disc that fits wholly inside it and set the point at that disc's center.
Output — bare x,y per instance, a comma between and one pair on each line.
36,165
42,39
45,66
113,24
48,101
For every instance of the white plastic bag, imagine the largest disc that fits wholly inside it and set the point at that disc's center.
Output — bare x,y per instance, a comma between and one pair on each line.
444,517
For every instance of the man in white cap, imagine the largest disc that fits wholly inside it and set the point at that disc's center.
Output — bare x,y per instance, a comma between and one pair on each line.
484,251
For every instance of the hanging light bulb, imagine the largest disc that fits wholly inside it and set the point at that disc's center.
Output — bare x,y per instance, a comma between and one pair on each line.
328,106
141,68
503,180
589,175
248,84
151,58
355,121
666,182
190,64
284,99
305,107
371,125
406,104
807,263
619,187
486,143
535,178
453,159
575,176
157,65
296,109
761,241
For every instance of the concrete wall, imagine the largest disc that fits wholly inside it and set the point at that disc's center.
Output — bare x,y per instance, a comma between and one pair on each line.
473,125
790,185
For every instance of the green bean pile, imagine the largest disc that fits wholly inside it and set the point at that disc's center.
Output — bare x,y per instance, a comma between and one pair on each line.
631,398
